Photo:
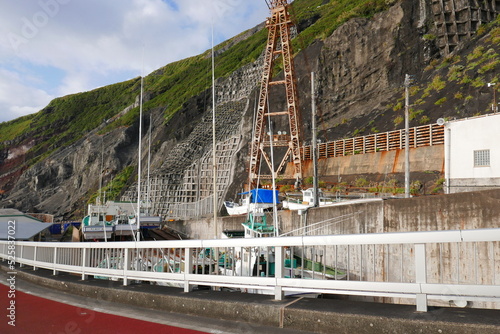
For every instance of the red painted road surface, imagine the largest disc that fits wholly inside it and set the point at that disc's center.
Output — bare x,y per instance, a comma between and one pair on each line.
33,315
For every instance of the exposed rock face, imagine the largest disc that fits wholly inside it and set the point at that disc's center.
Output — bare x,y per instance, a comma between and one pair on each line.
364,60
57,184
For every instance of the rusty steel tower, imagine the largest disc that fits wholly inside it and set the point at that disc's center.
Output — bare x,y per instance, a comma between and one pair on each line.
278,51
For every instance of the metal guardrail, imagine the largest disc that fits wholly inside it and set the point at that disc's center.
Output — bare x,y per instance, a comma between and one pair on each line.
425,135
442,265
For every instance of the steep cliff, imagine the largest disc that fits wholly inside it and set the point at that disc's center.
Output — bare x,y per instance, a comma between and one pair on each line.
56,160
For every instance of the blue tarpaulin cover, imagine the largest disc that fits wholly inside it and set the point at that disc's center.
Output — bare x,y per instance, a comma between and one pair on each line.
262,195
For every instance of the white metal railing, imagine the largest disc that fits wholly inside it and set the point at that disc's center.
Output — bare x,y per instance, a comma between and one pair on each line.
458,265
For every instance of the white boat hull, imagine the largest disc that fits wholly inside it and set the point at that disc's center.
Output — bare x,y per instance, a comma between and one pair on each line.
234,209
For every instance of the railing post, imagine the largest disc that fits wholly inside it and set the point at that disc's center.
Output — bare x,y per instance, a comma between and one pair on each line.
420,276
279,263
22,252
430,134
187,268
54,272
84,263
34,258
126,262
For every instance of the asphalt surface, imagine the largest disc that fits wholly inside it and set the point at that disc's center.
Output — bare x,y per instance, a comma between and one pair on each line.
107,317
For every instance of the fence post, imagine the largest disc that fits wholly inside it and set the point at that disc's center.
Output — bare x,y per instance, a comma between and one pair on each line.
126,262
22,252
187,268
278,271
34,258
54,272
84,263
420,276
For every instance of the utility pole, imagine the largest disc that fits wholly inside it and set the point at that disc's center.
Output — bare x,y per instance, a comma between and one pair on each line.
407,136
314,143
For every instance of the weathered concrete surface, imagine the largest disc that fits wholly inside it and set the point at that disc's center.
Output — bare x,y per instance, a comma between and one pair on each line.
471,210
292,314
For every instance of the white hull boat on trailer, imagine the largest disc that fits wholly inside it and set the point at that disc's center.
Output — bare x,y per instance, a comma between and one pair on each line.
308,201
254,200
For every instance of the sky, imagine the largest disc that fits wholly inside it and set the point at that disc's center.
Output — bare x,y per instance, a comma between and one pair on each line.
52,48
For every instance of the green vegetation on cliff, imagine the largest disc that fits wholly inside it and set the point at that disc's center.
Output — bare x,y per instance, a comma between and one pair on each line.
69,118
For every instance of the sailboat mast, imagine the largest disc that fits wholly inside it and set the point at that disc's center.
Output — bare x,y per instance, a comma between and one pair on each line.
213,137
148,203
138,218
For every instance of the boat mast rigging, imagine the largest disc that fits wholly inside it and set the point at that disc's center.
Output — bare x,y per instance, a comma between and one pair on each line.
278,48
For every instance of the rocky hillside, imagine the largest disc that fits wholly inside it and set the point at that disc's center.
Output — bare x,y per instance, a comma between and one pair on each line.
55,161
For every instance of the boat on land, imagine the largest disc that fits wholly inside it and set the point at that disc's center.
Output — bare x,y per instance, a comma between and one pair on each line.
102,219
307,200
115,220
255,199
260,261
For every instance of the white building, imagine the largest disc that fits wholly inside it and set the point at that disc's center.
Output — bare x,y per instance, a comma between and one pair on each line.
472,153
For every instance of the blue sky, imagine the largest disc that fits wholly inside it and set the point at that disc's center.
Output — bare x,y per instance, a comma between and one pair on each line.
52,48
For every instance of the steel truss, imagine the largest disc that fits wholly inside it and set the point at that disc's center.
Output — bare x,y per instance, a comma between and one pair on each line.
278,45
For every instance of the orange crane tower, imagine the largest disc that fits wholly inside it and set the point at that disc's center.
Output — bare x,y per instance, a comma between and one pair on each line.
278,49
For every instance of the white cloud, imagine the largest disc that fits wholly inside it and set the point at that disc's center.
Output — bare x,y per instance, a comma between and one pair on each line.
17,99
93,42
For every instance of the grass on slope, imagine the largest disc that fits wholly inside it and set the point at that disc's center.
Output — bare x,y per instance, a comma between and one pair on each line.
68,118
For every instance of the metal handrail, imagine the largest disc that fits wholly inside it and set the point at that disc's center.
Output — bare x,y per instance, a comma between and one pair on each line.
399,265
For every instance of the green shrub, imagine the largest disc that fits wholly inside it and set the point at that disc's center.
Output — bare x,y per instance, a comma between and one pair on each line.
478,82
361,182
489,66
440,101
398,106
476,53
398,120
424,120
415,114
455,72
436,84
113,189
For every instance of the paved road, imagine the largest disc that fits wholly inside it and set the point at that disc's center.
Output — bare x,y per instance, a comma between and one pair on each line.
63,313
33,314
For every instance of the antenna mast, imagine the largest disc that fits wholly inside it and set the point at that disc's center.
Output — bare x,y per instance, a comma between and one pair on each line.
278,48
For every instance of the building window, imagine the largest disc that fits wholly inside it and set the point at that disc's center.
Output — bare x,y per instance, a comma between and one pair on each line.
481,158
